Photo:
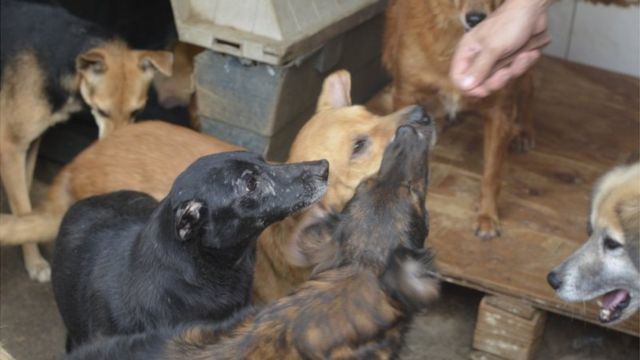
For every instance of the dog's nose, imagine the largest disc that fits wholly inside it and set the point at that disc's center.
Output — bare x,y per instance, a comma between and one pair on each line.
419,115
554,280
474,18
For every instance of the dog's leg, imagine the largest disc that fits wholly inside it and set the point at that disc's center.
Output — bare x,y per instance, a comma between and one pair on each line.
497,133
525,139
32,155
13,170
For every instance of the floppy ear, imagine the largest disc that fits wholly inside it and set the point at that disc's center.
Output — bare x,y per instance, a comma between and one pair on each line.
629,212
336,91
92,60
189,219
161,61
410,277
311,241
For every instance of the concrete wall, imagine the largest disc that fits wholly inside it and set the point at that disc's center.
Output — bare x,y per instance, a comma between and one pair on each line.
607,37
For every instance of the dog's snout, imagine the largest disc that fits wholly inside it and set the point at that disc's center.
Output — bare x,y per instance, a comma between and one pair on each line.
473,18
554,280
324,170
405,131
417,112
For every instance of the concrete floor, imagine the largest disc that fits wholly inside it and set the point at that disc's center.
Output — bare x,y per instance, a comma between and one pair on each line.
31,329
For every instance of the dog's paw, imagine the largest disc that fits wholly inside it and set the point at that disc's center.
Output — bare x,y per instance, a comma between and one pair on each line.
487,227
523,143
39,270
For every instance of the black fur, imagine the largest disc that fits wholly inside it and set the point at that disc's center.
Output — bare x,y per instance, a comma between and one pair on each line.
358,306
124,263
55,37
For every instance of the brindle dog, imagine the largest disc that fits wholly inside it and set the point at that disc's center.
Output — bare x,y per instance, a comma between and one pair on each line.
372,276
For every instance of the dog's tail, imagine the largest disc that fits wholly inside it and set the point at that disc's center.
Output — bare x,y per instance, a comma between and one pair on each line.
42,224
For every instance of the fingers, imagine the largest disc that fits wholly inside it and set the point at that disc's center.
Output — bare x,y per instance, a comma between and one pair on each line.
465,54
521,63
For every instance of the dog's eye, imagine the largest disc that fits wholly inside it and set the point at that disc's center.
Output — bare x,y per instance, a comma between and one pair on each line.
358,146
102,113
610,244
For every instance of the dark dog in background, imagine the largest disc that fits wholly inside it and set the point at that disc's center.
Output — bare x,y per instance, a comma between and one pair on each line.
371,277
124,263
52,64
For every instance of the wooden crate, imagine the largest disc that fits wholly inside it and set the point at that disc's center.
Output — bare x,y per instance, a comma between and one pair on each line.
261,107
508,328
270,31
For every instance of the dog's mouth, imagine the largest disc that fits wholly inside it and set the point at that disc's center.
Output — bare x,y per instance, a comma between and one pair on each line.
613,304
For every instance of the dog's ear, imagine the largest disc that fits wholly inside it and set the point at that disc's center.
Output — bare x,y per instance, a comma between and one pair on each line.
336,91
189,218
628,211
161,61
92,60
410,277
311,241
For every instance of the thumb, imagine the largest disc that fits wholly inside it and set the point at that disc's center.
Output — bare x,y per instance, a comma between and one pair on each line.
464,56
480,68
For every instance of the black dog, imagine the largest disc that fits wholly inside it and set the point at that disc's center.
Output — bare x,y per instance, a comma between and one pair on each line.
124,263
371,277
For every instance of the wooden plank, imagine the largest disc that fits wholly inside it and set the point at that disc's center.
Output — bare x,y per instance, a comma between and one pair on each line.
501,329
587,121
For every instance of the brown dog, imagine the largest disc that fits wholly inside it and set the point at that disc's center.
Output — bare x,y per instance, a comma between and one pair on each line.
420,38
373,274
147,157
51,63
179,89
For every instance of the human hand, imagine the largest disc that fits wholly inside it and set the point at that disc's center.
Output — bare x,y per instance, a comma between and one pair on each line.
502,47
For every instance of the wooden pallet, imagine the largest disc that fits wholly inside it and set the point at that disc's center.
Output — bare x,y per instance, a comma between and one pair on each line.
587,121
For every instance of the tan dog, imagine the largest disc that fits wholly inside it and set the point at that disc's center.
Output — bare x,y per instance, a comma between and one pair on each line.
46,76
420,38
147,157
179,89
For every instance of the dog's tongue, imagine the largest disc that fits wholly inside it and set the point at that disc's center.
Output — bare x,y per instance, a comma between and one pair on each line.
611,299
610,310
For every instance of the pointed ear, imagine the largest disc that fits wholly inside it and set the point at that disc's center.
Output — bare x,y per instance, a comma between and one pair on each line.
336,91
161,61
190,216
92,60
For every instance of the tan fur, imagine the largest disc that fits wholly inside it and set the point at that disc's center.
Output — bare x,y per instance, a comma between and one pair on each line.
419,41
149,155
112,80
179,89
616,202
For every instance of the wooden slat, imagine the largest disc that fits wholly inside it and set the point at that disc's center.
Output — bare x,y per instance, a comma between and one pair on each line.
587,121
502,330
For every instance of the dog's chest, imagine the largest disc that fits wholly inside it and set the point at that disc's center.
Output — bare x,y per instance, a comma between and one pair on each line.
451,103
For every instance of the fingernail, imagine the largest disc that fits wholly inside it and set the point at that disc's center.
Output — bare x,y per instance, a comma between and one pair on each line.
467,82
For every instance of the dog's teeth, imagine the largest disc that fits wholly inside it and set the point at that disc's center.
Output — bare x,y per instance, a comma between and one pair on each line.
599,302
605,314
